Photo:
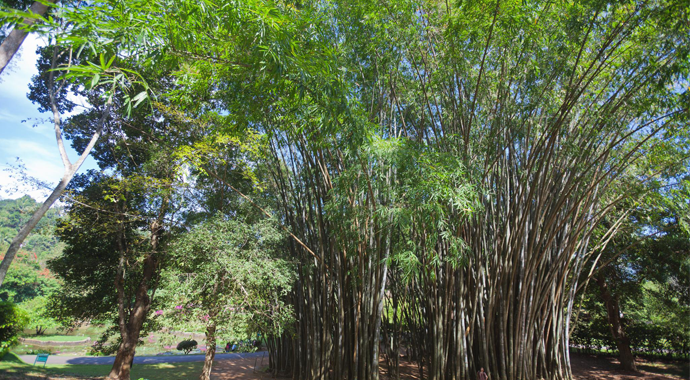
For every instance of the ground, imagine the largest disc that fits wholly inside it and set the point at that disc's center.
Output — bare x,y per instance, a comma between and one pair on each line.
585,367
589,367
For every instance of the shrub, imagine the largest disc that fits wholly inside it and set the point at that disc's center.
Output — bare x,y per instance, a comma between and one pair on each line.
101,347
187,345
12,322
39,351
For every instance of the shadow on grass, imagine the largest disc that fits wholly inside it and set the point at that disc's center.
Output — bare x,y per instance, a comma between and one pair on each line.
12,367
165,371
675,368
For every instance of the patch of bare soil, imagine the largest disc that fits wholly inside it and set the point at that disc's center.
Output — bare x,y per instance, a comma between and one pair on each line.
584,367
592,367
240,369
408,370
254,369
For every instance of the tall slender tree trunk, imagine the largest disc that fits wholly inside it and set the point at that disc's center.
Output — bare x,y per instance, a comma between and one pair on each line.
70,171
626,358
11,44
210,351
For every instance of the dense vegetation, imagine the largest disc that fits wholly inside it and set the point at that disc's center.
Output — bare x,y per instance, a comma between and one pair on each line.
42,244
29,282
29,277
356,178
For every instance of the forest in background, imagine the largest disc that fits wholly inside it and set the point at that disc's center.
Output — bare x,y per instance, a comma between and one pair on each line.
29,278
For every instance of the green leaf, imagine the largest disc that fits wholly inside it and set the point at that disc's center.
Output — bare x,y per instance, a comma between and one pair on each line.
140,97
94,80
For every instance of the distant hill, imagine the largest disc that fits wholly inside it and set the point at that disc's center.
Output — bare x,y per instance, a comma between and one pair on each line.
28,276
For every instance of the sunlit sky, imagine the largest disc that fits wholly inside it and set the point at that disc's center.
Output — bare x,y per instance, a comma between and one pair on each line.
26,134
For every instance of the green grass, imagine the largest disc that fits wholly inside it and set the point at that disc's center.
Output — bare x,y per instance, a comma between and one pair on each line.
146,348
12,365
29,349
58,338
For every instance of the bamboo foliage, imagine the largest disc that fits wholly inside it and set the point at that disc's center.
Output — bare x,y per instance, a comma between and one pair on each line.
475,263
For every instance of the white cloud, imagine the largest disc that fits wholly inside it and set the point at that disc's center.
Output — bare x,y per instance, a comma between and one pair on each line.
19,148
40,163
13,188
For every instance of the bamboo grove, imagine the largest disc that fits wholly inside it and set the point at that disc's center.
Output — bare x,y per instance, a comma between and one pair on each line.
440,166
456,228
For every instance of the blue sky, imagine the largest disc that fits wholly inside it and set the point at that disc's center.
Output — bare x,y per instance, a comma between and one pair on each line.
25,133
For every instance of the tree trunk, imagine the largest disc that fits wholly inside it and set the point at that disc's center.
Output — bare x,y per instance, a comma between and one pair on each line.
11,44
210,351
130,333
626,357
131,330
125,355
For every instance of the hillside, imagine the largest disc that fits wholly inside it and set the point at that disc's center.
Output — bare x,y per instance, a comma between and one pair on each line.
28,276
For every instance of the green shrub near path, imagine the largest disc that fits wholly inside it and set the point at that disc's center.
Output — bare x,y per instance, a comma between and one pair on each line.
12,322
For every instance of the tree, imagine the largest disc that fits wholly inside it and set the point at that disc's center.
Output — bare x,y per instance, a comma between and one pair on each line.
28,278
114,234
38,314
187,346
527,117
11,43
27,281
640,269
228,271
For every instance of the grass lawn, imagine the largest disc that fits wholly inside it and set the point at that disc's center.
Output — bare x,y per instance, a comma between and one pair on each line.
12,366
151,344
58,338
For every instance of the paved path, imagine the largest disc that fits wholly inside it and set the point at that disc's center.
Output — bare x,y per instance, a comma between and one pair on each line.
57,359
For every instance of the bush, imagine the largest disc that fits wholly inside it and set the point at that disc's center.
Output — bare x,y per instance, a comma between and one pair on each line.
101,347
187,345
12,322
39,351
